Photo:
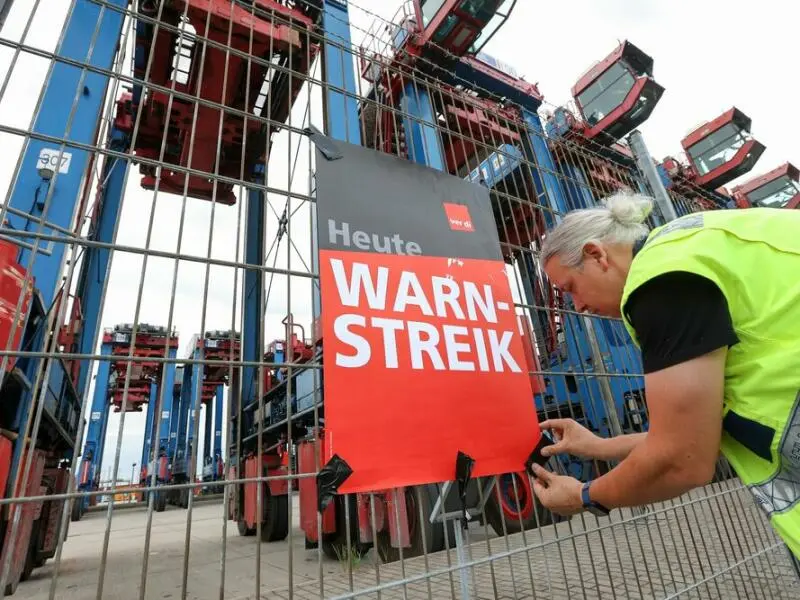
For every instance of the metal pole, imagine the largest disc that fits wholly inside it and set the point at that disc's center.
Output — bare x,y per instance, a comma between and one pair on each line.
648,169
458,527
599,366
5,8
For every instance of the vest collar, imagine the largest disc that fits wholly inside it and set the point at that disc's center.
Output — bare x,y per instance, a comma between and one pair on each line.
638,245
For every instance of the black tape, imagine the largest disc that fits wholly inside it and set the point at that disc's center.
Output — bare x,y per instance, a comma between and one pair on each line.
327,146
464,465
536,456
329,478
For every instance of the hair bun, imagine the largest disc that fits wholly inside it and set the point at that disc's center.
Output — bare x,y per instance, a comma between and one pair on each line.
628,208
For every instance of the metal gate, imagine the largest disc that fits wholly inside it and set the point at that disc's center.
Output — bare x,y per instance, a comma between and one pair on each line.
160,311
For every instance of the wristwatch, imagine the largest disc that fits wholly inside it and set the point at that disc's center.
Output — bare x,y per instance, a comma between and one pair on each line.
595,508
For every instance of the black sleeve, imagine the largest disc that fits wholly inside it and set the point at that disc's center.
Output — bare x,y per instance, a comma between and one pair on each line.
677,317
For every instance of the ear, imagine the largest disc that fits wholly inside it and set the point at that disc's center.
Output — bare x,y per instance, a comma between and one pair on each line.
596,252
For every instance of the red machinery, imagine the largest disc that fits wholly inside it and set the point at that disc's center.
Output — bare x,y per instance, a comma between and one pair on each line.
428,33
718,152
780,188
150,342
457,26
217,346
613,98
230,84
14,283
30,513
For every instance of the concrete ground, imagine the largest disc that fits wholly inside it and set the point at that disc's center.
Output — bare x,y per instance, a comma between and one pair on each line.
714,544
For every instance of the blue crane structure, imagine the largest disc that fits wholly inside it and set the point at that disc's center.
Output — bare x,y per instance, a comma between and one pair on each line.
127,389
441,43
201,385
47,203
40,215
431,63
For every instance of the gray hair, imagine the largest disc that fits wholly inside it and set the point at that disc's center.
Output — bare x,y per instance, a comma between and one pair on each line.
620,220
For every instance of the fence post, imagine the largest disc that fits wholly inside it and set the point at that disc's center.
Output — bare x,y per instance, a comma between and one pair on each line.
648,169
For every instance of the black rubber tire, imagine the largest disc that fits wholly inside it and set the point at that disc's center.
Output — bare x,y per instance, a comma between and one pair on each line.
244,530
77,511
539,516
275,523
334,545
432,533
160,501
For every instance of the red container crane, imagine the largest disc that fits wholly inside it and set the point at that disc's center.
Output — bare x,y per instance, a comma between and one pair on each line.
780,188
616,95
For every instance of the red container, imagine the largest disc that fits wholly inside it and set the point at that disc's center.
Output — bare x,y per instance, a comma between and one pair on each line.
14,283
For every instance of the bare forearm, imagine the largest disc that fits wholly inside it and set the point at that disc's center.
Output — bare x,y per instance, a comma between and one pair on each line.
646,475
619,447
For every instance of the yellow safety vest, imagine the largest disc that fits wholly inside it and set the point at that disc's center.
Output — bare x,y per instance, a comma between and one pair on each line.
753,255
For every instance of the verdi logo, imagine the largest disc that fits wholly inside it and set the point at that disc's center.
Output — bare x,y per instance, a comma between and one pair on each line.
458,217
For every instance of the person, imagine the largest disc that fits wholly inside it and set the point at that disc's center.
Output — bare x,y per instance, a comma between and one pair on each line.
712,300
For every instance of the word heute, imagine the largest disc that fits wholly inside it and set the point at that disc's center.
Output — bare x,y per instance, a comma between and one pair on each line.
465,348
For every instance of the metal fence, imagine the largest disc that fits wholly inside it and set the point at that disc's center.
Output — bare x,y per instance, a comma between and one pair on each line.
165,190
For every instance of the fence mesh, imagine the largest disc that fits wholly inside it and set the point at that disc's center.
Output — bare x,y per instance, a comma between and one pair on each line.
162,315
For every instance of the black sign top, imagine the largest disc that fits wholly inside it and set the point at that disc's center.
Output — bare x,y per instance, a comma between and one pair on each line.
369,201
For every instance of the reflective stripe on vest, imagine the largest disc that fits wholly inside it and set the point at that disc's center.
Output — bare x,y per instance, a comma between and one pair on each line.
781,492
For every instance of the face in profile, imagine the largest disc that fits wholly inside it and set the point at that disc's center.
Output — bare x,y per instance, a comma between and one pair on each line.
595,285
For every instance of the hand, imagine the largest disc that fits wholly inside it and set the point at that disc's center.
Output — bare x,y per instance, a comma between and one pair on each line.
571,438
559,493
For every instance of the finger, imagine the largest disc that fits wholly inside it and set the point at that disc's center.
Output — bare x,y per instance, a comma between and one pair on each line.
552,424
542,474
539,490
553,449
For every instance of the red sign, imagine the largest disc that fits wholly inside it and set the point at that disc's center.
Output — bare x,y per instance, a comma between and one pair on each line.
458,217
422,353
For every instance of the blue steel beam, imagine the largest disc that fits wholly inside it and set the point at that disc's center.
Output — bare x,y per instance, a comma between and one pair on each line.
98,423
197,392
70,108
94,273
174,419
341,110
184,405
195,383
537,151
91,36
218,427
218,421
149,425
424,142
166,397
208,431
252,329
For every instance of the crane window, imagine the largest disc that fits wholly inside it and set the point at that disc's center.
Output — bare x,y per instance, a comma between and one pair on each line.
606,93
775,194
483,11
718,148
429,10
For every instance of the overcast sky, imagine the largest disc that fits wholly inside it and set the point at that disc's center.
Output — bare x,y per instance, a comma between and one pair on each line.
709,56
